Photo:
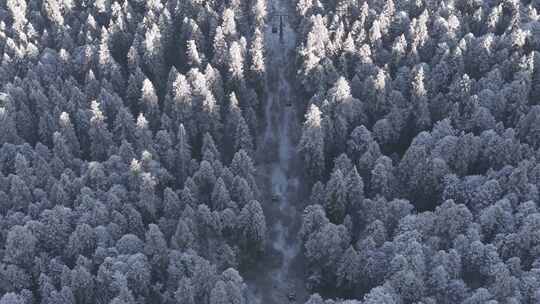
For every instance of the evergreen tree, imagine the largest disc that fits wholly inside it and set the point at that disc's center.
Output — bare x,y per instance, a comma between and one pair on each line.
100,136
241,192
153,50
348,269
183,157
355,190
252,228
21,195
243,139
229,24
235,63
220,195
184,237
12,298
149,104
82,241
156,248
69,134
256,51
219,294
185,293
17,9
242,165
20,246
419,99
311,145
193,57
336,197
219,46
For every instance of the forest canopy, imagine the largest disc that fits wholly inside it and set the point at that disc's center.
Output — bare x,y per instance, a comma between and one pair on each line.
131,138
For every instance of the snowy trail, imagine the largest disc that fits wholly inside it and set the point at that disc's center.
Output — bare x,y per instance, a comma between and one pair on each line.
278,276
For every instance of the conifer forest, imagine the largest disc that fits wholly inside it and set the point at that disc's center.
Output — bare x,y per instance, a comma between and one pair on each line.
269,152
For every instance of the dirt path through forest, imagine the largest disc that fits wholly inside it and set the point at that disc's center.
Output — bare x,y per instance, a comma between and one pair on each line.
277,277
